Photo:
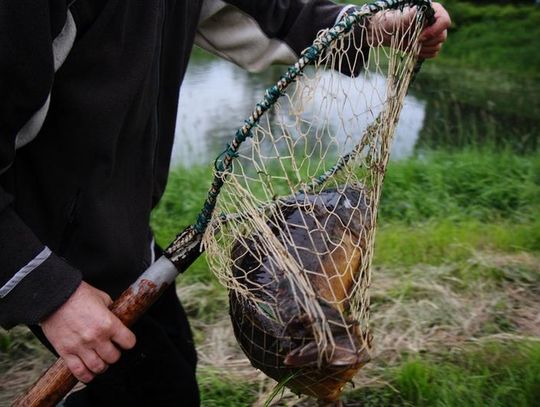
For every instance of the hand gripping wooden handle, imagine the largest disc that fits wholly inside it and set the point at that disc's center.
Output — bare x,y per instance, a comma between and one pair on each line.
57,381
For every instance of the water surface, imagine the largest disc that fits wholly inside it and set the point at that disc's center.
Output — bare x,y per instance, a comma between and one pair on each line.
445,108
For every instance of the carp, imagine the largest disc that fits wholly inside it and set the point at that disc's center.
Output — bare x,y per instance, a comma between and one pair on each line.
327,236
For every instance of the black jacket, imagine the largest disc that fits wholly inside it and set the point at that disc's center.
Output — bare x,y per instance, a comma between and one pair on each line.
89,92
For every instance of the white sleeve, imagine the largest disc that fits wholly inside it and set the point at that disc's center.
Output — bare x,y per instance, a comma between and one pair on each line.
229,33
257,33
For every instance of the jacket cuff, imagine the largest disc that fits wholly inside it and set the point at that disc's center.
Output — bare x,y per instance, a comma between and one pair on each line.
40,293
34,282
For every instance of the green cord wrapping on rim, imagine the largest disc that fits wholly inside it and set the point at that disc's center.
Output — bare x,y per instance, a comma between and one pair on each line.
224,161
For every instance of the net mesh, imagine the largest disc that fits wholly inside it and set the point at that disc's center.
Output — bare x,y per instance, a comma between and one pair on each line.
293,229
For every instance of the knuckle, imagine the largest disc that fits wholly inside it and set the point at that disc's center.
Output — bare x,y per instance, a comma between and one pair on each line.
107,324
95,365
448,20
64,349
111,358
77,369
108,300
111,355
88,336
100,368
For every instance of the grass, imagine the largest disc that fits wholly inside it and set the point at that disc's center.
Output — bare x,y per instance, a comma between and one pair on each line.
489,375
442,338
22,360
440,242
411,367
469,184
219,391
434,209
492,374
494,37
480,184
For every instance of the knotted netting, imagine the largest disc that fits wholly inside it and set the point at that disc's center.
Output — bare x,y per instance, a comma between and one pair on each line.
292,229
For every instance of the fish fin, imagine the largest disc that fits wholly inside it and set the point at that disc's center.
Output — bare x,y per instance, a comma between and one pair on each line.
347,357
306,355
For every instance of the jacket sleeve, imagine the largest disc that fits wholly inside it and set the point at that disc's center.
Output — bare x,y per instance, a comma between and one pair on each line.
35,37
255,34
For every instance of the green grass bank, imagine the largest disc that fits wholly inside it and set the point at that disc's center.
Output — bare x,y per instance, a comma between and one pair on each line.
491,375
435,207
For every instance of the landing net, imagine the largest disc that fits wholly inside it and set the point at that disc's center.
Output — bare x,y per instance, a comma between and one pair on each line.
293,228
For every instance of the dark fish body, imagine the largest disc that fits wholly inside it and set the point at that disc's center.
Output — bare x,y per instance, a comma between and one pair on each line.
326,234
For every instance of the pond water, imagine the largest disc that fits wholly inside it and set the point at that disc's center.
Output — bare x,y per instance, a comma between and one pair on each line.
449,109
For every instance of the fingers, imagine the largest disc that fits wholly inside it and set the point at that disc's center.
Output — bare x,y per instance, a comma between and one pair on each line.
430,52
93,362
383,26
122,336
90,362
78,368
441,24
439,39
108,353
434,36
84,332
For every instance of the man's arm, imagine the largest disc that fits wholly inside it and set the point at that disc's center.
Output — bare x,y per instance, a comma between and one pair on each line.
36,286
255,34
33,281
